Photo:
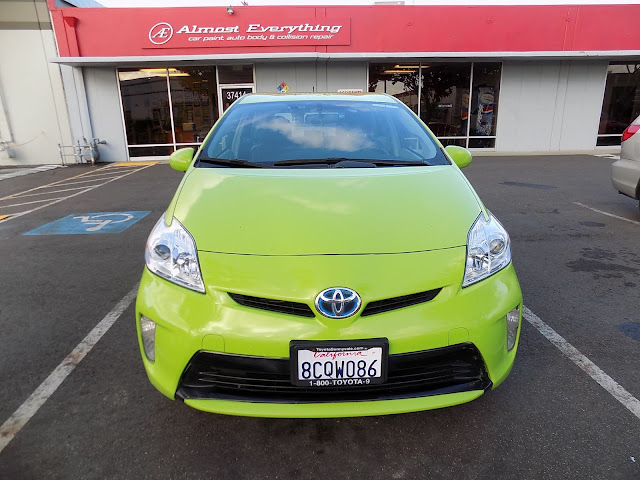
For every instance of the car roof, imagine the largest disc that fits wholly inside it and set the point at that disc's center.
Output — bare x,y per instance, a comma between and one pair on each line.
297,97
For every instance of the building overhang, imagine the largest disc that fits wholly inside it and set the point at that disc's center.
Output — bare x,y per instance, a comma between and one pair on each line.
177,60
117,36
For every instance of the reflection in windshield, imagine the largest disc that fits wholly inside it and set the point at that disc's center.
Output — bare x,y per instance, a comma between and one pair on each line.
272,132
327,136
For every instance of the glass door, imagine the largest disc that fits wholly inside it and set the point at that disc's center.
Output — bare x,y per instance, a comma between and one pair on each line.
194,104
230,93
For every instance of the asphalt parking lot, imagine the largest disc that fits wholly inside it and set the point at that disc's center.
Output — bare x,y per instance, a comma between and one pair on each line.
576,251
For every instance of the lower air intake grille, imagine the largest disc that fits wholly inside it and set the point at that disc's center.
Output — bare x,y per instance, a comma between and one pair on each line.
452,369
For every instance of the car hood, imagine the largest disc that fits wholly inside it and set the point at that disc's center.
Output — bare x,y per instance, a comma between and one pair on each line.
328,211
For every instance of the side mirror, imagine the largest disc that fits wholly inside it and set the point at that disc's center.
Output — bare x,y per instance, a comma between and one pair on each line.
181,159
461,156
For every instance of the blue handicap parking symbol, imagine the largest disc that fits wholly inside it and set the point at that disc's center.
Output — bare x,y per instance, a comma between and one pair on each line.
89,223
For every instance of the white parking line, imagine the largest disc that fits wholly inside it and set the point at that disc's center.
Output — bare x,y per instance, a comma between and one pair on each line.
26,212
89,180
630,402
51,193
39,187
104,171
85,189
29,203
102,175
607,213
30,407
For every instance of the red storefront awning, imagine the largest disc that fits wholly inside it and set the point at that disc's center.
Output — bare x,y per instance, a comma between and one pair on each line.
95,35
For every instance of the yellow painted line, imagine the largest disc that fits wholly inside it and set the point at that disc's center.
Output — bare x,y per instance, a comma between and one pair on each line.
2,217
131,164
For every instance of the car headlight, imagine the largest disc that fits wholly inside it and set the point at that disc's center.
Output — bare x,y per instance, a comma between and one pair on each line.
171,254
488,250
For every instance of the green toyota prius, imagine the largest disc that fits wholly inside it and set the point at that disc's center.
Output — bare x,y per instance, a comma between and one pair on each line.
324,256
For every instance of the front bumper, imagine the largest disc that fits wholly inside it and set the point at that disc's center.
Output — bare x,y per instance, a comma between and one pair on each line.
333,410
219,376
189,322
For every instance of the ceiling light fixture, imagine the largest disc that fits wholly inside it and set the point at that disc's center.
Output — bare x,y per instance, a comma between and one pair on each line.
401,72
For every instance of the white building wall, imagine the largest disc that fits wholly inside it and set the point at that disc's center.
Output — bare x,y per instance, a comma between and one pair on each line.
34,117
347,75
321,76
77,106
103,99
582,105
299,76
550,106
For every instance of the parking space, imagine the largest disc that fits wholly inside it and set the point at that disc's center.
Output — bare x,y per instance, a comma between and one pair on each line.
580,274
579,269
19,203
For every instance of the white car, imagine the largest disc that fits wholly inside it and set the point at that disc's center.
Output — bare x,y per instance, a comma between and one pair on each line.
625,173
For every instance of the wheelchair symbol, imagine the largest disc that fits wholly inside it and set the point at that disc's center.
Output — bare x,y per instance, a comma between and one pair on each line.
100,221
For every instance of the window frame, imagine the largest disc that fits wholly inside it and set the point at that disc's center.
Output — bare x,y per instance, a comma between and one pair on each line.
467,137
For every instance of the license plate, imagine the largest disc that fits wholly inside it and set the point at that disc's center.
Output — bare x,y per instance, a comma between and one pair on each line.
339,363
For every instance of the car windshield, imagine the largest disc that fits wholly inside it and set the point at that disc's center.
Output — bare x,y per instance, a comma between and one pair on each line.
319,134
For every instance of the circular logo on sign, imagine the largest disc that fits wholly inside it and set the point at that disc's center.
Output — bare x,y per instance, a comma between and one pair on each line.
160,33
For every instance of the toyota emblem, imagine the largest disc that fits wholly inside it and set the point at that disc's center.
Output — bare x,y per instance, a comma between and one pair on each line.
338,302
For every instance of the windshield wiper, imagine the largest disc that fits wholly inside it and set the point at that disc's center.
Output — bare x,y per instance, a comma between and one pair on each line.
232,162
337,160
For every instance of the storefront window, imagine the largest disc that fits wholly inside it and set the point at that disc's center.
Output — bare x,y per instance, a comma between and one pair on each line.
460,142
621,104
193,96
457,100
150,151
235,73
173,107
397,79
145,105
444,104
484,104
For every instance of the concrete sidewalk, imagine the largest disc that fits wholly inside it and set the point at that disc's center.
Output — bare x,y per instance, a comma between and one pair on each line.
12,172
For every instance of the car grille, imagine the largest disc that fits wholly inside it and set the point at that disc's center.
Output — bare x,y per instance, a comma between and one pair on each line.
219,376
395,303
303,310
279,306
